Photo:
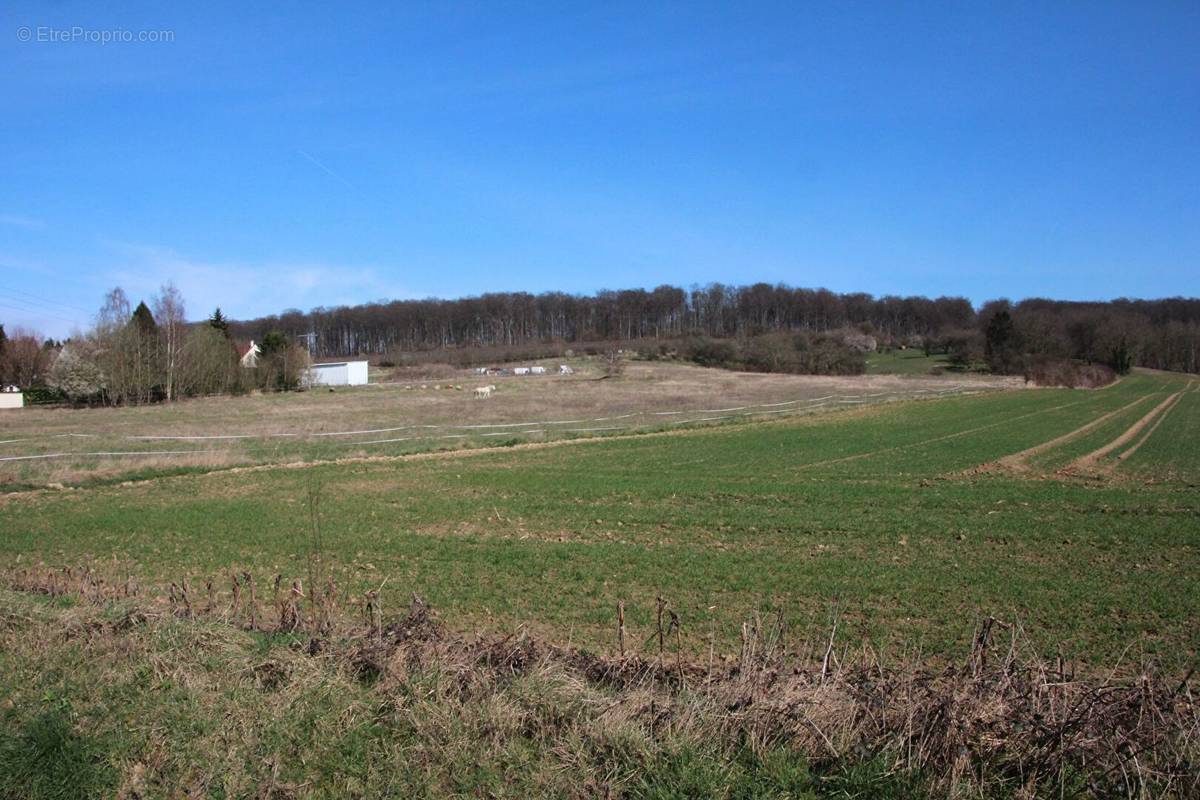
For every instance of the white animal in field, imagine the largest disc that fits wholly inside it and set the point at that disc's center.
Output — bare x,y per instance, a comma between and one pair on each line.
484,392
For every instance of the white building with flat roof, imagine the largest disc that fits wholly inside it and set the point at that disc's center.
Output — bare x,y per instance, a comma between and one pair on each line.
338,373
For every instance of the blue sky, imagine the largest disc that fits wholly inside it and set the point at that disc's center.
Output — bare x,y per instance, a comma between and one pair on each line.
330,153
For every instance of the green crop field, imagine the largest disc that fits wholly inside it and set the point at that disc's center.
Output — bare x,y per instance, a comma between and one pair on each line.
908,522
872,513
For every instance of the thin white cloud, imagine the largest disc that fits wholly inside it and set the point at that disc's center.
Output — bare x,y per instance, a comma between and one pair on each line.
243,290
18,221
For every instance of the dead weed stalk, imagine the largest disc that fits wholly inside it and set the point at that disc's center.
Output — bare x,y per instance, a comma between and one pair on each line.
1002,716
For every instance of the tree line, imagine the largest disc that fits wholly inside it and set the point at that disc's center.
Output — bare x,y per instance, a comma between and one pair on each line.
151,352
519,318
144,354
1162,334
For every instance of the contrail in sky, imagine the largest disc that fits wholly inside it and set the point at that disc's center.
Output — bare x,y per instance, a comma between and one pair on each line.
325,169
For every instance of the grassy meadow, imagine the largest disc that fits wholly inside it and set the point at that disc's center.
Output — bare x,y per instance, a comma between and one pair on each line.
906,362
417,410
907,522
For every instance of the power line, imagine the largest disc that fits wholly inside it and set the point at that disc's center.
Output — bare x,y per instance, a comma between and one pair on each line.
38,312
29,305
41,300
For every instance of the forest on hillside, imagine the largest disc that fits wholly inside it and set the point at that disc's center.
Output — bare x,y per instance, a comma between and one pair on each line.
1160,334
151,352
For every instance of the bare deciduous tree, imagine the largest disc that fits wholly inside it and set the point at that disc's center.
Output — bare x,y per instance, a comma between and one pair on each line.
112,345
170,312
26,359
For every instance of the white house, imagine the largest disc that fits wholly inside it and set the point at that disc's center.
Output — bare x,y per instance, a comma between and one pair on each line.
249,353
338,373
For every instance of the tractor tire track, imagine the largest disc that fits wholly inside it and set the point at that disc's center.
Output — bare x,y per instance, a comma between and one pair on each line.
1088,462
1150,431
1186,390
1019,462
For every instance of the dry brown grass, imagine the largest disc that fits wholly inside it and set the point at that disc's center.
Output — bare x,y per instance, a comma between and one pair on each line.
643,387
113,468
1000,718
283,428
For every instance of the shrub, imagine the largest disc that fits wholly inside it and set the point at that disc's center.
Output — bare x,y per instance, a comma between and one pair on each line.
863,343
44,396
653,350
1068,374
710,352
209,363
825,354
281,365
76,375
772,353
797,354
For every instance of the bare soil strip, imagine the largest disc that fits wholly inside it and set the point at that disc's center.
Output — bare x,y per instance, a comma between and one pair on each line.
1087,463
1019,462
1150,431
